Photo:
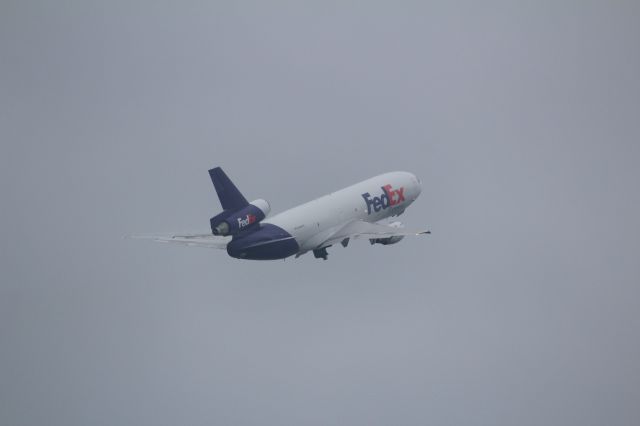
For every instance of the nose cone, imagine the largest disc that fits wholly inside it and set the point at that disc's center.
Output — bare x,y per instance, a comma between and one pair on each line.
416,184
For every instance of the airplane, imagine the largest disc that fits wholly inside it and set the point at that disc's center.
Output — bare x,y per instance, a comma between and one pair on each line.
245,231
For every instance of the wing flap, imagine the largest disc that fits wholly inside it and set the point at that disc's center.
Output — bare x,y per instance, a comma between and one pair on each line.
360,229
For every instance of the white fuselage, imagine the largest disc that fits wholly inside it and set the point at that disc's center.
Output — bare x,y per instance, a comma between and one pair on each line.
311,223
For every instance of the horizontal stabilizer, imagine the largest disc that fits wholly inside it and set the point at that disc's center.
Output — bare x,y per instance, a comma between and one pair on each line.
194,240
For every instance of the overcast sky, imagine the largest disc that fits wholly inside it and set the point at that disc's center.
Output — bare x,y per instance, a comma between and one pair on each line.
521,118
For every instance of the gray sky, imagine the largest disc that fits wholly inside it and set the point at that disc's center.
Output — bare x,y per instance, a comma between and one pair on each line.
522,119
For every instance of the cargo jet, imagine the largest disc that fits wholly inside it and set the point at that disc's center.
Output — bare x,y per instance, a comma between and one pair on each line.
244,230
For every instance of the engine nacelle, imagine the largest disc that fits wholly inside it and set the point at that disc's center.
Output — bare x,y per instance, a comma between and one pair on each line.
232,223
386,241
389,240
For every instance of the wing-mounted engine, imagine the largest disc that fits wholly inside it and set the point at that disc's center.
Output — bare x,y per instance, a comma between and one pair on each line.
389,240
234,222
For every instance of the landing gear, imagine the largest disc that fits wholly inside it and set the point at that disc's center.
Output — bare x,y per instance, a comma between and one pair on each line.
321,253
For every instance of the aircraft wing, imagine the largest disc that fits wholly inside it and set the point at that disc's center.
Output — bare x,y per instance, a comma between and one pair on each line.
193,240
360,229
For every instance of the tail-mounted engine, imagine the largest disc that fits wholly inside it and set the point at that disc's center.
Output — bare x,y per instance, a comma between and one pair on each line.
389,240
234,222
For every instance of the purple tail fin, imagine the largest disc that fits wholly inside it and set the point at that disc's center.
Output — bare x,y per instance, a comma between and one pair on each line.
230,197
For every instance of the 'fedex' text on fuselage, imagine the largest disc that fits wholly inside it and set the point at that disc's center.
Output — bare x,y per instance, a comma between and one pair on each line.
389,198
